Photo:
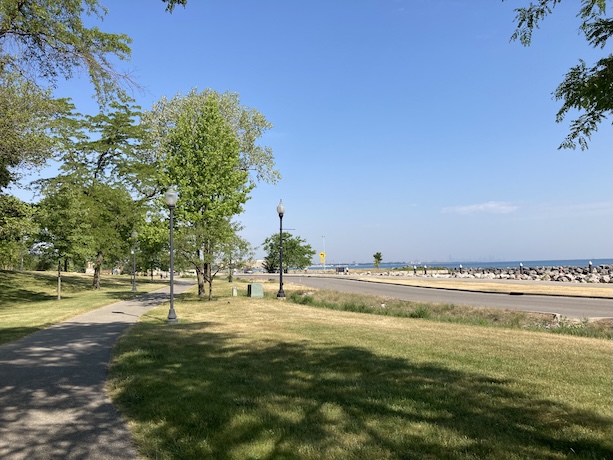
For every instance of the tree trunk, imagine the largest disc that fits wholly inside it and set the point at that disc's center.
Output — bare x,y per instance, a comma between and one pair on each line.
21,251
59,279
97,268
200,278
209,277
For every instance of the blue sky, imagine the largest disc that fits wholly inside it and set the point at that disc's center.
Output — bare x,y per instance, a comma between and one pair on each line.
413,128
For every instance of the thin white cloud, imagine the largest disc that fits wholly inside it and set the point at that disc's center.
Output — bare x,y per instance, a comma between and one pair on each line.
490,207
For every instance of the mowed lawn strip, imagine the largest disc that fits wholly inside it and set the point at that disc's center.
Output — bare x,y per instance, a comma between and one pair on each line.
241,378
28,300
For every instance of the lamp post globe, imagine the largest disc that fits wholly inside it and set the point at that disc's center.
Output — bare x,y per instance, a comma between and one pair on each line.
281,212
171,200
171,197
280,209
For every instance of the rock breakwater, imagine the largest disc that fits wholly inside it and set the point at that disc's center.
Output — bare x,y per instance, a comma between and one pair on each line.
600,274
589,274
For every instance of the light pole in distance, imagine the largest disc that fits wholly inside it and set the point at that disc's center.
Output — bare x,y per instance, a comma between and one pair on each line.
134,235
281,211
171,201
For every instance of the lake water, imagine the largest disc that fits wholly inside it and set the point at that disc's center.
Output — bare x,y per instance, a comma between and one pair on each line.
473,264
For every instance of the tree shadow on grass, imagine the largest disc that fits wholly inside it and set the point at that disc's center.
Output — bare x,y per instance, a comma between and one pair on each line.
304,400
42,287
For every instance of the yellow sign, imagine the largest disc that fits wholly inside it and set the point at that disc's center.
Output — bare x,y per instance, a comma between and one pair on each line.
322,255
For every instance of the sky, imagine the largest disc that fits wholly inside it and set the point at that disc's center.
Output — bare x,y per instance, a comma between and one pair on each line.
414,128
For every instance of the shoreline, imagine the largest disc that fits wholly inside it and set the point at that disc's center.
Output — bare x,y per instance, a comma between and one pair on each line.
553,263
439,280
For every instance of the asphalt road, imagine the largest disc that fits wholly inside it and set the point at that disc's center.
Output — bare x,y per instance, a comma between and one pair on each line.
570,307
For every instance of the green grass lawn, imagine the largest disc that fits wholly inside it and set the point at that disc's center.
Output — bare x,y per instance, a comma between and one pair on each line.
242,378
28,300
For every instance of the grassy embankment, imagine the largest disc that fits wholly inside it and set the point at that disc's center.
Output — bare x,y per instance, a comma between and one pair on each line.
28,300
241,378
524,287
360,303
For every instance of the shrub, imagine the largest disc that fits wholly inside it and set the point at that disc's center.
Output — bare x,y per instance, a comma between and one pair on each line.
421,311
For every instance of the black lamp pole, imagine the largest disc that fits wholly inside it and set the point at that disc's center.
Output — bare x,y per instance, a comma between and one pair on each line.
171,201
281,211
134,235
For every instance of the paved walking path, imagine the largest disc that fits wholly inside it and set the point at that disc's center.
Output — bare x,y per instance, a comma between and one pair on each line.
52,399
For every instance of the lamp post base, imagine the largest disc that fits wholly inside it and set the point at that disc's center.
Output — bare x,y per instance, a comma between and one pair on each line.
172,316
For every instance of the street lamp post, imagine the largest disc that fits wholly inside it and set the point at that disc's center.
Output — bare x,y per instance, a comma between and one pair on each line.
134,235
171,201
281,211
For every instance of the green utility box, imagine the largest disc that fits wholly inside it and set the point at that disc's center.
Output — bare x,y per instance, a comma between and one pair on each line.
255,290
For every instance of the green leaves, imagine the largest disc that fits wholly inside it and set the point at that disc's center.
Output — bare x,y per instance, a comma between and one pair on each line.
247,124
589,90
377,259
203,161
65,227
172,3
106,146
15,218
28,126
586,89
297,253
46,39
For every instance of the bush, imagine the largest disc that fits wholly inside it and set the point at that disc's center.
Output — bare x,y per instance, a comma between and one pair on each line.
421,311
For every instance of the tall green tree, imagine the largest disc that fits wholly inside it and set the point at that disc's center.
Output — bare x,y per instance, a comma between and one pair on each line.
377,259
203,162
247,124
153,243
245,165
586,88
112,216
100,162
103,215
65,227
297,253
16,230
